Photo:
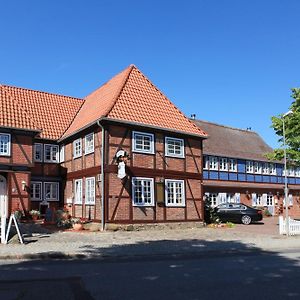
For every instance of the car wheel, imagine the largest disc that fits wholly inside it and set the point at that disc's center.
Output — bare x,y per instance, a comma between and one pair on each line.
246,220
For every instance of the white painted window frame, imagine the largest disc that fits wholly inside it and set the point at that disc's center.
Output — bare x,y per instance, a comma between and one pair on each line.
78,192
205,162
77,148
257,167
223,164
143,134
40,151
89,145
143,203
249,167
232,165
33,185
8,146
169,140
90,191
272,169
62,153
174,204
53,183
213,163
56,160
265,168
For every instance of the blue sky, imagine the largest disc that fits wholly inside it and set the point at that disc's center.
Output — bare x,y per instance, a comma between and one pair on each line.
231,62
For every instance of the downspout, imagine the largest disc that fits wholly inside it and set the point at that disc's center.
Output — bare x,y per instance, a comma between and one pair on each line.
102,176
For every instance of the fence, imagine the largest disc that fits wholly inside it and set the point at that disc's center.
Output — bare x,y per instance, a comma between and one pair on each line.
294,226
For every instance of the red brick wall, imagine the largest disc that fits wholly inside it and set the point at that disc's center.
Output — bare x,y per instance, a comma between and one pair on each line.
17,198
21,151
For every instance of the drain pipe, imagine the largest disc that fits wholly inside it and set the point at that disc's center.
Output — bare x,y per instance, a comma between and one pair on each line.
102,175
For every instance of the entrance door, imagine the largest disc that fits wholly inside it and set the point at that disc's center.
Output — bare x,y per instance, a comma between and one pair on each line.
3,198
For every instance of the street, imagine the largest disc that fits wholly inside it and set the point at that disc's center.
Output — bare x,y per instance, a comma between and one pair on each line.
242,275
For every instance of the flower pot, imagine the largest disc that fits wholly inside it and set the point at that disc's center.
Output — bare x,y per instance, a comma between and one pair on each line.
35,217
77,227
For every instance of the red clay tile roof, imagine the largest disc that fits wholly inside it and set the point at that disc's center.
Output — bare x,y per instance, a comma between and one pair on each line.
12,115
131,97
35,110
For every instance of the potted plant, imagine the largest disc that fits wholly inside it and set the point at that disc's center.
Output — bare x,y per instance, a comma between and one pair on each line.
18,214
77,224
34,214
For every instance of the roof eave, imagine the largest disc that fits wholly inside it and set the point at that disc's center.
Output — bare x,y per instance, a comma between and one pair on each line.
106,119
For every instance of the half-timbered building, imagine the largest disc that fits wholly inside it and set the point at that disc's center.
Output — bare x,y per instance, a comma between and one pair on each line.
236,169
124,154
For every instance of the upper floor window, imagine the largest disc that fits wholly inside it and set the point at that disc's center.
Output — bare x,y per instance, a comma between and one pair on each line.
38,152
232,165
272,168
174,147
77,148
51,191
142,191
291,171
265,169
89,143
174,192
213,163
297,172
51,153
249,166
223,164
205,162
5,144
257,167
62,153
90,191
36,191
143,142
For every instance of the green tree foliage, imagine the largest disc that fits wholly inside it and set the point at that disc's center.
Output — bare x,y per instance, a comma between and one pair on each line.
292,132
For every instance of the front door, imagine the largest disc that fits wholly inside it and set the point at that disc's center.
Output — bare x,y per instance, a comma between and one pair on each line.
3,198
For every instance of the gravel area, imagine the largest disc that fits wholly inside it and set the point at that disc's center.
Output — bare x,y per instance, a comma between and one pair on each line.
43,243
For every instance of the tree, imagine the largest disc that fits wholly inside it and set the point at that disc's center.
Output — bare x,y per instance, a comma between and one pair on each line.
292,132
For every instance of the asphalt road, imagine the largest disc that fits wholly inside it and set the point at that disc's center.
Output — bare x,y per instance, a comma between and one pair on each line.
247,275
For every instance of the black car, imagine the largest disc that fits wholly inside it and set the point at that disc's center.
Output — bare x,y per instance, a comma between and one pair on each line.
237,212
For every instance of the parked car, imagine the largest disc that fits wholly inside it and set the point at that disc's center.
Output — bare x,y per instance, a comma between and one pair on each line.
237,212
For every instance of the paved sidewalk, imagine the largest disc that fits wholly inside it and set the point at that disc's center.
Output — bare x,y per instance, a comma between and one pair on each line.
42,243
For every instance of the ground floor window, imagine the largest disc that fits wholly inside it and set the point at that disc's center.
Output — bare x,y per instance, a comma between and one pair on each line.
212,198
174,192
143,191
36,191
257,199
270,200
51,191
90,191
78,191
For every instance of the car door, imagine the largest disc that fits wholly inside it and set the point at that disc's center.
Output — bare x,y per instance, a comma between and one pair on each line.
234,212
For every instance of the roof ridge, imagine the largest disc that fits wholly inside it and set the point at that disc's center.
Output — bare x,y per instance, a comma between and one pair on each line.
38,91
226,126
83,101
23,110
130,68
170,102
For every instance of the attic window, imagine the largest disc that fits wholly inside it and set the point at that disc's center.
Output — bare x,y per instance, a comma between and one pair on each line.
4,144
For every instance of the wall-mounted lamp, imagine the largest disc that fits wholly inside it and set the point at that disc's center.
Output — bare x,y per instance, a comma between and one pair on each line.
23,185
